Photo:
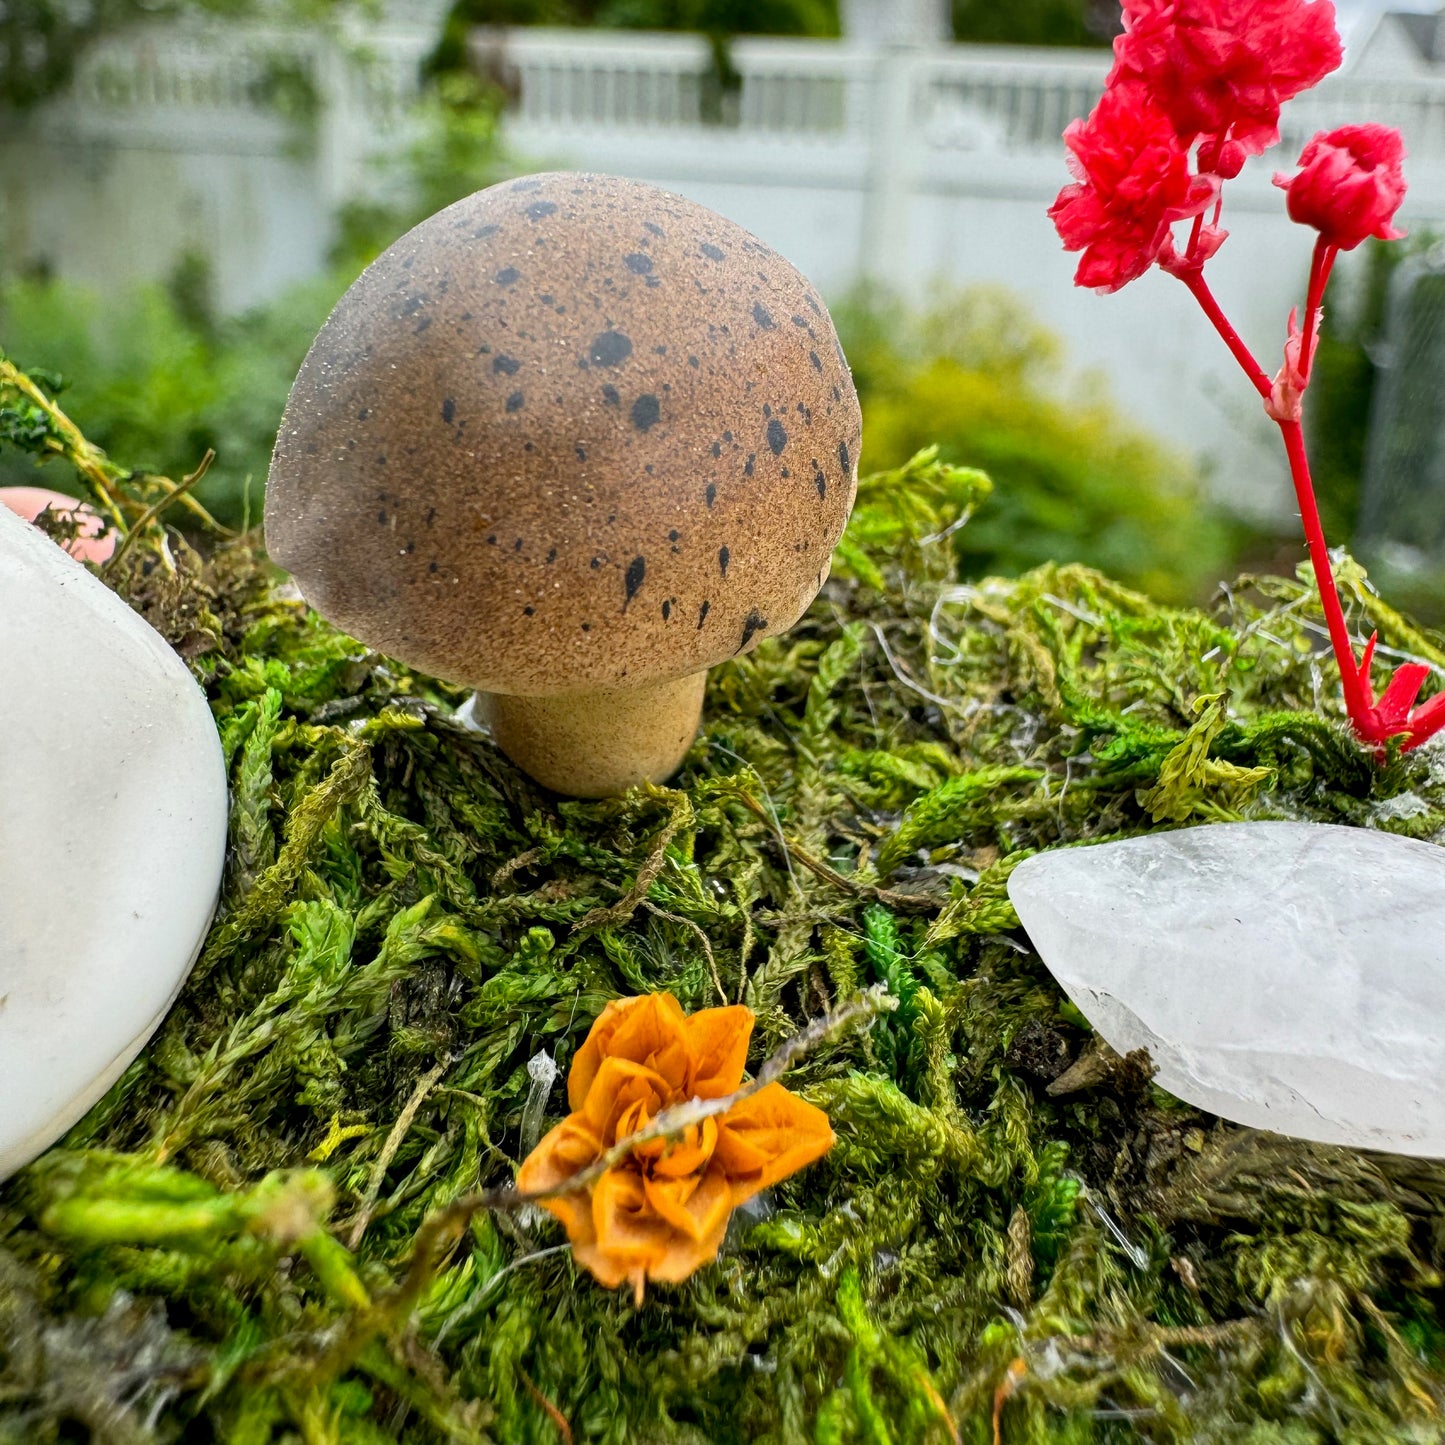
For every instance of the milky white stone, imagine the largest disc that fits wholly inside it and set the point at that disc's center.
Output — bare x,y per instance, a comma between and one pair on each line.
1289,976
112,834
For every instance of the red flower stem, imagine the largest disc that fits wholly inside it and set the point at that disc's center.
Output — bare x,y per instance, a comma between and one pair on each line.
1199,288
1356,701
1193,245
1321,264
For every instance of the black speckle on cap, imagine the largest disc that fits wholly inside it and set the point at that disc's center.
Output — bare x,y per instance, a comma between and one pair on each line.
363,413
750,464
516,401
702,613
723,558
817,363
711,493
636,572
777,437
751,627
762,316
645,411
666,610
611,348
819,480
449,411
507,276
713,253
637,263
540,210
843,459
506,365
611,396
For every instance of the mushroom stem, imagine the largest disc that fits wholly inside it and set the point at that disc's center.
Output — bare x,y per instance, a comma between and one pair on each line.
599,743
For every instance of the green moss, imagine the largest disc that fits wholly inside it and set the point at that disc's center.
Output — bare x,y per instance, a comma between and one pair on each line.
407,921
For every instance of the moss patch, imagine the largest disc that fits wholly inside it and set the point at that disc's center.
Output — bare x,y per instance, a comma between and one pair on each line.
407,922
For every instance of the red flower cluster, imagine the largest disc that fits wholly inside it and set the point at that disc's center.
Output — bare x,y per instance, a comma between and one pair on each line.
1350,185
1221,69
1133,184
1200,76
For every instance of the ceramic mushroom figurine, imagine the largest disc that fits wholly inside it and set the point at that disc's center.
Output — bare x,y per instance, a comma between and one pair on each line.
571,442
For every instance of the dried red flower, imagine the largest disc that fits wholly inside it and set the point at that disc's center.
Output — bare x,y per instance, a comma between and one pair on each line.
1221,69
1349,186
1133,183
661,1213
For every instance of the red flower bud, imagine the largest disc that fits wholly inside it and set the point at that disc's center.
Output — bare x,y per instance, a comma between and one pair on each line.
1350,184
1133,184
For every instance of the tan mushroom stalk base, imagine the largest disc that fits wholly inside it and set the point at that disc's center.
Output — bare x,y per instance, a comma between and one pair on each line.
600,743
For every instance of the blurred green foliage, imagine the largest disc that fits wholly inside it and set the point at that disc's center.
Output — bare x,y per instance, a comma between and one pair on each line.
1342,385
158,383
721,17
1035,22
158,377
40,40
1073,480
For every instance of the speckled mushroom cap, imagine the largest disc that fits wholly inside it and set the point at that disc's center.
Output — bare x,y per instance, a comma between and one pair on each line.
570,432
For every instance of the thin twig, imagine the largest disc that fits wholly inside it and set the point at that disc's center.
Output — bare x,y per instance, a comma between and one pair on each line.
702,938
399,1130
626,906
548,1408
156,508
907,902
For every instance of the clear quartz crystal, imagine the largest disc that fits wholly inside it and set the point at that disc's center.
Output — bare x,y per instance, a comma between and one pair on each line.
1288,976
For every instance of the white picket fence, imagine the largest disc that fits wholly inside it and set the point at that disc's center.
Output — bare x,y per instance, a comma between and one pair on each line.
905,163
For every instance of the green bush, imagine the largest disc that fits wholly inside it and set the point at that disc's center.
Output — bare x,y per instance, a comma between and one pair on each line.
158,385
727,17
1035,22
1073,481
158,378
153,378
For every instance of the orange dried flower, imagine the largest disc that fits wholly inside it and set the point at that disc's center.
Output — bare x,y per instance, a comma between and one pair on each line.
662,1212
